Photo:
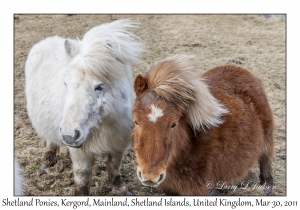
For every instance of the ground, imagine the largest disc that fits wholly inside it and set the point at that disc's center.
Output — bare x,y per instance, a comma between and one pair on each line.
253,41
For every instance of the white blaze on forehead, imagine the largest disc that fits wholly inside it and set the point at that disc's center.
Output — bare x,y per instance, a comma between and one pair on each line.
155,113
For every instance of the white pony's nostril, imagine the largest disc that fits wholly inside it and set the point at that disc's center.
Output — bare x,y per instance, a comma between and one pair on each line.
77,135
68,139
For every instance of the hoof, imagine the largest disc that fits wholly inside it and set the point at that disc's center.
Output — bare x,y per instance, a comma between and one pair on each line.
128,193
268,192
121,190
213,193
118,188
43,166
82,191
217,192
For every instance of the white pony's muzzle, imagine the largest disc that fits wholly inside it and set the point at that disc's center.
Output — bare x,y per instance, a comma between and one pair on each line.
72,138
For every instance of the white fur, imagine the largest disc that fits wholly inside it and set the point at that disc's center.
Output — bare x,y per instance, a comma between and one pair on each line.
19,180
155,113
103,56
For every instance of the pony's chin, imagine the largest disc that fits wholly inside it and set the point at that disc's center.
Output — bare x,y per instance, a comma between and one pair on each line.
150,185
75,145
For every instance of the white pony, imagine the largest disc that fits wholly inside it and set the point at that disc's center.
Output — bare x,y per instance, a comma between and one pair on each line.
80,93
19,180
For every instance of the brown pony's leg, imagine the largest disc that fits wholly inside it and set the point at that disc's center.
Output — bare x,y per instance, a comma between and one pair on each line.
171,193
265,162
49,159
113,169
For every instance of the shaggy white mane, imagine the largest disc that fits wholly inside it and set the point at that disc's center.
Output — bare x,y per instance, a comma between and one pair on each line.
105,48
175,80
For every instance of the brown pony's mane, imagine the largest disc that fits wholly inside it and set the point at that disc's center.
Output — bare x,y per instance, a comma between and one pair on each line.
174,80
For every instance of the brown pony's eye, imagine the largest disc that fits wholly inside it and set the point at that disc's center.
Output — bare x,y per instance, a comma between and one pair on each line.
174,125
136,123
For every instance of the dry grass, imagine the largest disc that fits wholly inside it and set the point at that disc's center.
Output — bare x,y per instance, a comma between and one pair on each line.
250,40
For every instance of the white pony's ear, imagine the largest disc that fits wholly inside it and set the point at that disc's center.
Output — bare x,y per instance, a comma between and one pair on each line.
72,47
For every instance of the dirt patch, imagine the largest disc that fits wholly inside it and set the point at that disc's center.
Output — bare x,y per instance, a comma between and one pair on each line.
253,41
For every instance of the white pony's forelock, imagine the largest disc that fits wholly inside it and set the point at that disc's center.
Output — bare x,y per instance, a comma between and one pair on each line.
105,47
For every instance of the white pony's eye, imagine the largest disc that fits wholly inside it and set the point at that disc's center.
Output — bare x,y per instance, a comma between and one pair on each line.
99,87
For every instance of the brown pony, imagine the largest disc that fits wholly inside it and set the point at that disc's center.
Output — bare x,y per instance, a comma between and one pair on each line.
191,131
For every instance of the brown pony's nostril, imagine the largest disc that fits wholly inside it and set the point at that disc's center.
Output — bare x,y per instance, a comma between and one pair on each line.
161,177
140,174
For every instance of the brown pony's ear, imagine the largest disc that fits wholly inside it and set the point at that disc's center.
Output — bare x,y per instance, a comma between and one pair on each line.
140,84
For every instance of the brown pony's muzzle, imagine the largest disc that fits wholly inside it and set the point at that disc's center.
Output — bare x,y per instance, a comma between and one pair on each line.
151,180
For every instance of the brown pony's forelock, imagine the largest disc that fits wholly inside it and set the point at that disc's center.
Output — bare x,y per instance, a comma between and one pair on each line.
174,80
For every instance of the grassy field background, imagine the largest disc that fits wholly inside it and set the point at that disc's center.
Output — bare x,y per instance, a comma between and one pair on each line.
253,41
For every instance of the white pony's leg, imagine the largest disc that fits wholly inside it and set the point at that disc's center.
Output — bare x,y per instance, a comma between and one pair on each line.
113,169
50,155
19,179
82,169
